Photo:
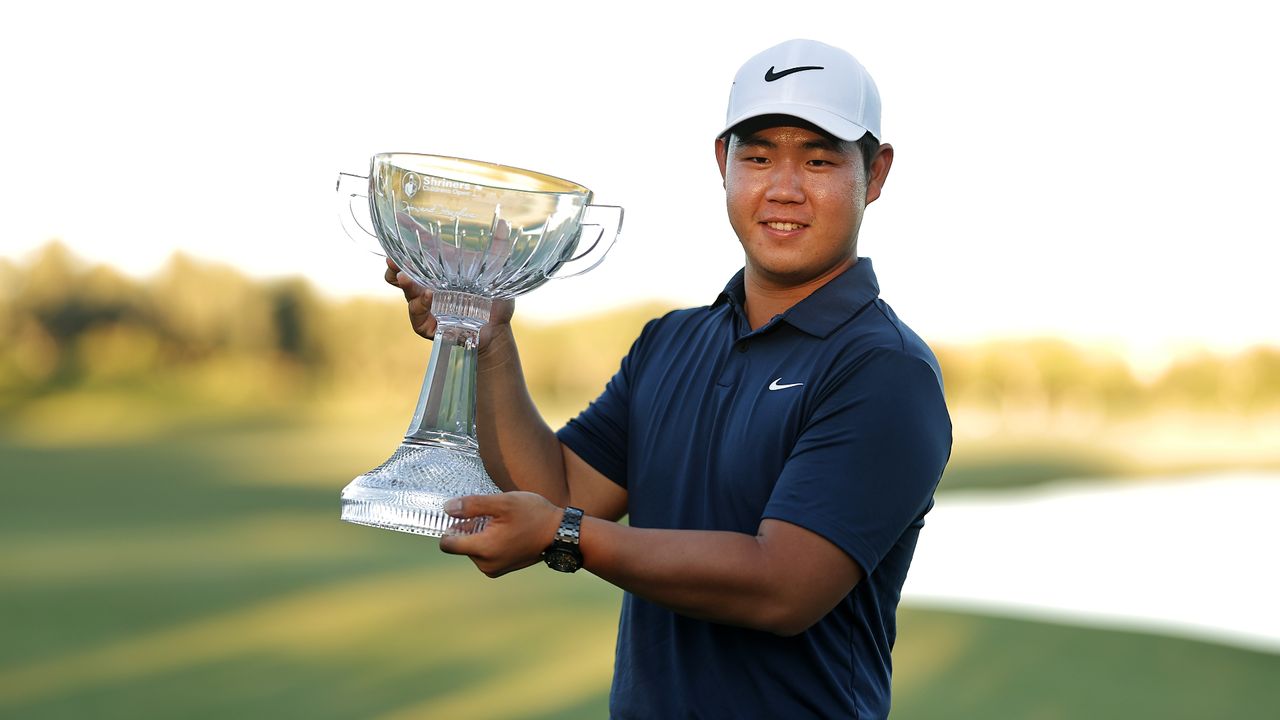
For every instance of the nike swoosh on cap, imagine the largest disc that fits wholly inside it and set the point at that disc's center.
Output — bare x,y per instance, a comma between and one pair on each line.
770,75
776,385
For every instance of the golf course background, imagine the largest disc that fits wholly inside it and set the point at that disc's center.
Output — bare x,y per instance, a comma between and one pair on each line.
171,451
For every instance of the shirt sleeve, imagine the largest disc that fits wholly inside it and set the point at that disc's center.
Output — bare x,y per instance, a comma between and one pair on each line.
869,458
599,433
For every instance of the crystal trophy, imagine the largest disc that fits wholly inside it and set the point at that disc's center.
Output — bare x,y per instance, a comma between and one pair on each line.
472,232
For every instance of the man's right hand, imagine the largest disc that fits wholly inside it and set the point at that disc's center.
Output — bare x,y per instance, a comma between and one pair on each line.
418,299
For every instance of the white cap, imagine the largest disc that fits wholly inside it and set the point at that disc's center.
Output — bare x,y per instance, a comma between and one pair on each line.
809,80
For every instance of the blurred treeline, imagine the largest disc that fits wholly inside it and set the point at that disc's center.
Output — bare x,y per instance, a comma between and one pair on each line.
201,333
207,333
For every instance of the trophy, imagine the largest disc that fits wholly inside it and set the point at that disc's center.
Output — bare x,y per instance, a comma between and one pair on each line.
472,232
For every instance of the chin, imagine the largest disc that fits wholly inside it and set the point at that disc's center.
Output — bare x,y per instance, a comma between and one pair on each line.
794,273
785,274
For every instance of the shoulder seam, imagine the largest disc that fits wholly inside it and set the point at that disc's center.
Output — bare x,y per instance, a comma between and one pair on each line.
902,341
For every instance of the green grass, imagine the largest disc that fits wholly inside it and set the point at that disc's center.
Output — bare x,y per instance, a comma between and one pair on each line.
1020,468
961,665
203,573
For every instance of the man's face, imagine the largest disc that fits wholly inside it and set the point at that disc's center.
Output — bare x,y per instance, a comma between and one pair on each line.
795,199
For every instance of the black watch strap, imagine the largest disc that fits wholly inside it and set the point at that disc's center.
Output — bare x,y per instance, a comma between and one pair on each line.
570,527
564,554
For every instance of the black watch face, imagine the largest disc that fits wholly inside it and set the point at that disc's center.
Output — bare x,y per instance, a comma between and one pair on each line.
562,560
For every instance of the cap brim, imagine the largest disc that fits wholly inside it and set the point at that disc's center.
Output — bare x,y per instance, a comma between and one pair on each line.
828,121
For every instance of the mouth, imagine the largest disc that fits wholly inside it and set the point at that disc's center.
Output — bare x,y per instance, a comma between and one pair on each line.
784,226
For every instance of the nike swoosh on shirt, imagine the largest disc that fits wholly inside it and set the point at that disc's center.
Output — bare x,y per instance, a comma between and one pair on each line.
770,75
776,385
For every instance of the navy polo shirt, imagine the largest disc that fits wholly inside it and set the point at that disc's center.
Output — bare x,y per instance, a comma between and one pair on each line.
831,417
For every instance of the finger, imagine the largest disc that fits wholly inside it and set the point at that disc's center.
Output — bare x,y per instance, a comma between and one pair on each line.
461,538
421,319
474,506
419,303
391,272
410,286
413,289
457,544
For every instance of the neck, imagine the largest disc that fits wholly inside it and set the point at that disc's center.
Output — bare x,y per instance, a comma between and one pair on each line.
767,298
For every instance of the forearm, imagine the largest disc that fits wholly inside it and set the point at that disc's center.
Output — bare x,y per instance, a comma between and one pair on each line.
519,449
780,580
725,577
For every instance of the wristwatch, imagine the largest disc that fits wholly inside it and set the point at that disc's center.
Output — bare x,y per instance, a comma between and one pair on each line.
563,554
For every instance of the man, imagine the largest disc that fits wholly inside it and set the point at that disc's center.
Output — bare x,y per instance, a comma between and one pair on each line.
776,451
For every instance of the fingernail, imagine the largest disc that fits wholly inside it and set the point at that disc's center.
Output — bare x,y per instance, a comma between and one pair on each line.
453,506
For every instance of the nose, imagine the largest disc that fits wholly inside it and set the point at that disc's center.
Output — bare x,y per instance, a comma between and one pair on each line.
785,184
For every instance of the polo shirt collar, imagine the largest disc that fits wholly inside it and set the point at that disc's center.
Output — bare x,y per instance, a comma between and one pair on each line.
827,308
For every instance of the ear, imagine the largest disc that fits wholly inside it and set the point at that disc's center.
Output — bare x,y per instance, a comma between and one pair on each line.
722,154
880,165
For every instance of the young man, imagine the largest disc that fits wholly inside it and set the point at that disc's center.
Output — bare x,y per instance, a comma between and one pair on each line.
776,451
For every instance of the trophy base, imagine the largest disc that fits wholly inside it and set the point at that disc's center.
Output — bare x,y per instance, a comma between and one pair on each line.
407,492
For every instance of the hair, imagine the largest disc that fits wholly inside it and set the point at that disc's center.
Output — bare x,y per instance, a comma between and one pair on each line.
867,145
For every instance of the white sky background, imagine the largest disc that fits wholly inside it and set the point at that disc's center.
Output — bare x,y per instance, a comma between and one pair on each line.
1103,171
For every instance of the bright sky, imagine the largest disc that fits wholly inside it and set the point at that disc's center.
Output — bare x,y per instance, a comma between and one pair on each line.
1099,170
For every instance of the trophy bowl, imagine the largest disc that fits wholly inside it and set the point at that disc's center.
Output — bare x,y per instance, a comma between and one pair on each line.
472,232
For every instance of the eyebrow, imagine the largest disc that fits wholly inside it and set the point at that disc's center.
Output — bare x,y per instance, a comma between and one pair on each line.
819,143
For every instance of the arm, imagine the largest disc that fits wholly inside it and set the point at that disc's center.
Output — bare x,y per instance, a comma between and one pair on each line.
892,426
780,580
519,450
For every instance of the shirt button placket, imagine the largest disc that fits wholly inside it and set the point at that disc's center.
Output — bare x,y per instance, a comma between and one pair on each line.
732,371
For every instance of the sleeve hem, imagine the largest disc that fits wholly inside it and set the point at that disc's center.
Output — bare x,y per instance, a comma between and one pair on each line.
851,546
577,441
